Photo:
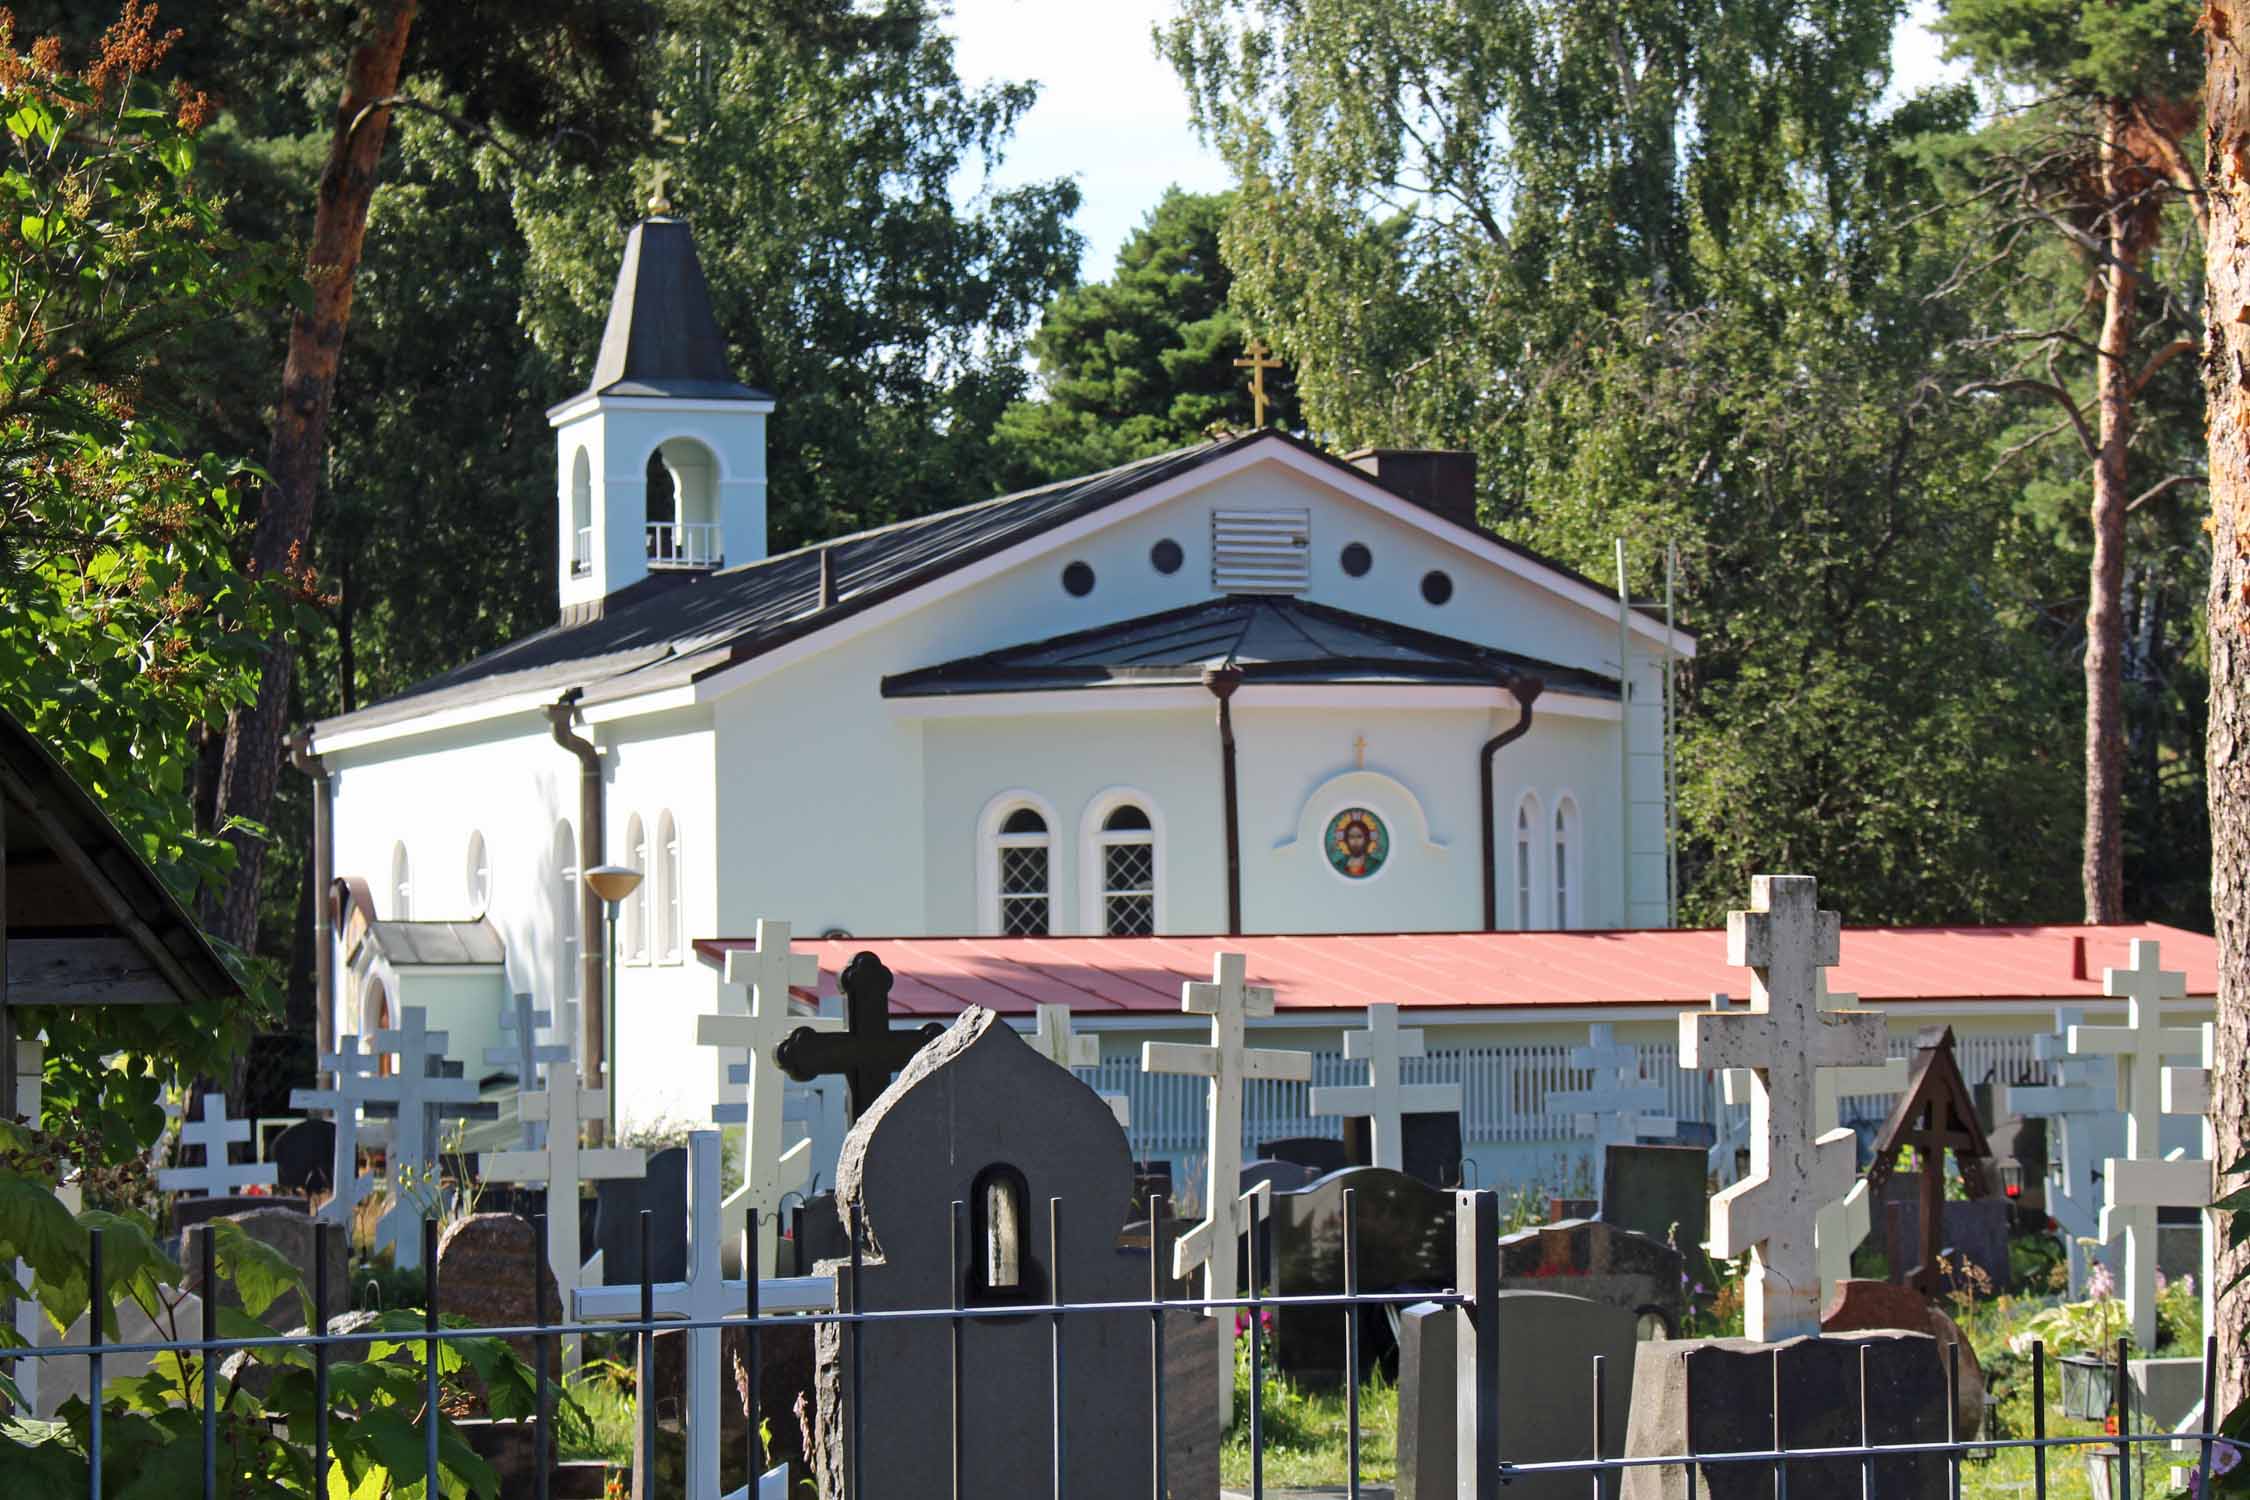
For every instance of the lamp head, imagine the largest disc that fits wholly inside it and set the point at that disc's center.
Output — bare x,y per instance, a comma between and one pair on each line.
613,883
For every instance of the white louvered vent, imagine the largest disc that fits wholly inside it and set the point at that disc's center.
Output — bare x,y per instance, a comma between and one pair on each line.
1261,551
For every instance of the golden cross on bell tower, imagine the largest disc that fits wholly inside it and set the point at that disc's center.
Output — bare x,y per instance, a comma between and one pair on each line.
1257,364
1359,748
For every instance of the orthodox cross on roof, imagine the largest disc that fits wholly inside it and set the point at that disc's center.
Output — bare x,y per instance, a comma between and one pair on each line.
705,1299
867,1052
769,973
1054,1040
1783,1038
426,1093
355,1081
1227,1061
217,1177
520,1020
1621,1106
1383,1099
1260,360
2134,1185
1359,751
1935,1114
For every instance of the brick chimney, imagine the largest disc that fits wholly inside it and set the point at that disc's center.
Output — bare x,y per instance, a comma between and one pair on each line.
1440,480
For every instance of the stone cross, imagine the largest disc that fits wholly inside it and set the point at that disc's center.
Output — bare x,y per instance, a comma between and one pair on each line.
769,974
1785,940
424,1095
2081,1104
2133,1186
705,1298
868,1052
526,1054
1621,1106
1227,1061
217,1177
355,1081
1383,1099
1055,1041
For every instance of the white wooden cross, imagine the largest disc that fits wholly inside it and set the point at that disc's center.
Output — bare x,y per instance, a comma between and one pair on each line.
423,1093
1621,1106
707,1298
2133,1186
525,1054
32,1324
217,1177
768,1172
1784,1038
1227,1061
562,1164
1383,1100
2187,1091
1054,1040
1841,1225
2081,1106
357,1082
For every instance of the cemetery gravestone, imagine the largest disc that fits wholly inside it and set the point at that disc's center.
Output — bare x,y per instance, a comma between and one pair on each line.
1405,1232
978,1118
1858,1306
485,1273
190,1213
1281,1176
662,1190
1432,1146
1634,1273
291,1231
1427,1420
1660,1191
1970,1233
304,1156
1317,1153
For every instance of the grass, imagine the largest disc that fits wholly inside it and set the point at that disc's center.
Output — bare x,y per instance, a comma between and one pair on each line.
1307,1433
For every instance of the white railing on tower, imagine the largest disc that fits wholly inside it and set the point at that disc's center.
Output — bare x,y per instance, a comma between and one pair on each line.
582,553
684,544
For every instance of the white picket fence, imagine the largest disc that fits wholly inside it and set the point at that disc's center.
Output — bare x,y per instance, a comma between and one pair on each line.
1504,1092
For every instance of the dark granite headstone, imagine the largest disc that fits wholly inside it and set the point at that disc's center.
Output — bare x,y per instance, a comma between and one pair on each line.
1974,1231
1858,1305
1701,1134
1600,1262
304,1156
1315,1151
292,1233
617,1223
1286,1176
1731,1385
189,1212
1429,1146
1427,1421
977,1117
1151,1179
1405,1230
1559,1209
1662,1191
485,1265
817,1233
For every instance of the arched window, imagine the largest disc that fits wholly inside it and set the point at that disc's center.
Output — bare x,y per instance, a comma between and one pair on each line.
581,515
374,1016
668,924
1026,870
1001,1268
683,506
634,939
402,885
477,874
1527,834
569,903
1568,897
1127,848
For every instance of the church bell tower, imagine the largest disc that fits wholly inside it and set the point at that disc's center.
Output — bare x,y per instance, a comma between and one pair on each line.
660,463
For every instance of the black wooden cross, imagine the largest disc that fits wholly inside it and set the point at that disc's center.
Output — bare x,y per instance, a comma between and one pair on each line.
1934,1115
866,1052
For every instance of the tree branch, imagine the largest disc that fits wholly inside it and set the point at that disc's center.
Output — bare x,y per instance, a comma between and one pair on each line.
2158,361
2161,487
2040,388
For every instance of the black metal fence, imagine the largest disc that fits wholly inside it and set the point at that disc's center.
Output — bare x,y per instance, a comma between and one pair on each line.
1485,1472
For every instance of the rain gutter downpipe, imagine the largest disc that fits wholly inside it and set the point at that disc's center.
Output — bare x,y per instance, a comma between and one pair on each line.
1525,689
324,896
1221,683
592,1021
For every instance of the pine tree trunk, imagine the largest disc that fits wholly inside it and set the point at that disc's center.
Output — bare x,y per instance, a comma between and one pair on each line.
2102,873
2227,770
300,434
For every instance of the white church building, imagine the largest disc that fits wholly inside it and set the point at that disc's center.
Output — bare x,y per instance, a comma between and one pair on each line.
1063,746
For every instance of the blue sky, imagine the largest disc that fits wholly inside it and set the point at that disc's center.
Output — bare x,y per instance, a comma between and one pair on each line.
1112,114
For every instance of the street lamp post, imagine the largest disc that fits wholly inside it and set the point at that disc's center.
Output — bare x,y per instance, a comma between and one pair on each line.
611,884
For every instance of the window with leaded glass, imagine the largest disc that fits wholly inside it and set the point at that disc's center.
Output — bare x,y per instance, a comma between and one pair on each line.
1128,852
1025,851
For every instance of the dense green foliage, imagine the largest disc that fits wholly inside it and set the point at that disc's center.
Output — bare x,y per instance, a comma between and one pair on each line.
1143,362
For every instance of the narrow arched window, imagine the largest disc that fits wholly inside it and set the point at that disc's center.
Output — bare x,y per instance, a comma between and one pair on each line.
1001,1267
568,905
476,875
635,936
1025,850
1128,870
581,515
1527,835
668,923
402,885
1567,894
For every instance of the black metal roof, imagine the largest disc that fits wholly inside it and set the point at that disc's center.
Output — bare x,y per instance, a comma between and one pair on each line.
1270,639
662,338
674,628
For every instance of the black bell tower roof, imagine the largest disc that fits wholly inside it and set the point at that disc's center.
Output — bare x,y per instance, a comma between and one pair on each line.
662,338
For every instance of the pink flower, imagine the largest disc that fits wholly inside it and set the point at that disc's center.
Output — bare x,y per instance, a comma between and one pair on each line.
2100,1285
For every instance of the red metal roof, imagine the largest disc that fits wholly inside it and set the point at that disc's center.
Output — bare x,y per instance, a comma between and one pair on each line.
1345,971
